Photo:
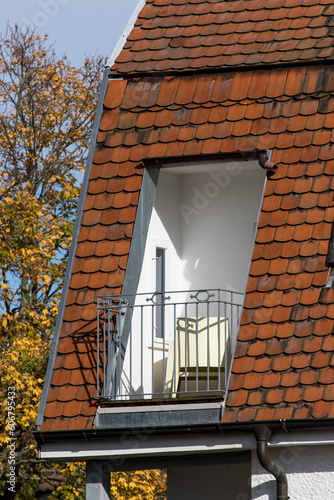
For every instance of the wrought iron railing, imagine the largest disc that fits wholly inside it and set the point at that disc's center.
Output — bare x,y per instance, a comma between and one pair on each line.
165,345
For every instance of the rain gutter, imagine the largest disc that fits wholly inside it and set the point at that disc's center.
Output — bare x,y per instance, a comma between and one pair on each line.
204,158
222,428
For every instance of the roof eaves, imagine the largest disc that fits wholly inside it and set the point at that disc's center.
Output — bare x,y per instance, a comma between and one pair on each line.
224,427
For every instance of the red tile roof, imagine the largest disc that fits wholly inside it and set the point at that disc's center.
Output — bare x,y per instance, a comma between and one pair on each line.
191,35
284,360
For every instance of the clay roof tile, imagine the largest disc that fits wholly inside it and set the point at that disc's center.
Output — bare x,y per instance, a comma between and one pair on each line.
285,335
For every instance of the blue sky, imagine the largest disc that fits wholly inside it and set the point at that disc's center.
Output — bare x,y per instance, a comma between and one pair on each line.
77,27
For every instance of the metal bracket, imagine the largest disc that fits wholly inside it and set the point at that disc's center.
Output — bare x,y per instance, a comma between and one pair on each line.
152,299
205,299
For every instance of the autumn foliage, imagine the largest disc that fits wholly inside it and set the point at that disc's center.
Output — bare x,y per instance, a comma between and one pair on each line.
139,485
46,116
46,112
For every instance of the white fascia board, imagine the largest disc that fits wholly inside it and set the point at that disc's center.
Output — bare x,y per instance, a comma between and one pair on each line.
304,437
137,444
129,27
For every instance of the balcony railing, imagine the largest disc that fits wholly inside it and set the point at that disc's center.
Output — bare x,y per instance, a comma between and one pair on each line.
165,345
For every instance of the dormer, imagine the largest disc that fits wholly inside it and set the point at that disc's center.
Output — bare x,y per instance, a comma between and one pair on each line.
169,334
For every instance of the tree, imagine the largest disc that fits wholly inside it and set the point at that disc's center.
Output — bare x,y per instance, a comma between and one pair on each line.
46,114
139,485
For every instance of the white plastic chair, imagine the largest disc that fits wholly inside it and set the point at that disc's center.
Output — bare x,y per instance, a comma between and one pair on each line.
198,357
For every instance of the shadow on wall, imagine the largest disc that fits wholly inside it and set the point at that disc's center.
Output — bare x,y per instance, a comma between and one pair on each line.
264,491
309,469
211,224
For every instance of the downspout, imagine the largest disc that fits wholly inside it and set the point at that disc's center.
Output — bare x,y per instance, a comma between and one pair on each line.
262,434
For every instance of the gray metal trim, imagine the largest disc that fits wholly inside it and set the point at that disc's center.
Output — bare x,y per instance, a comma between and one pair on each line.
233,347
159,419
68,273
126,32
135,261
330,256
143,216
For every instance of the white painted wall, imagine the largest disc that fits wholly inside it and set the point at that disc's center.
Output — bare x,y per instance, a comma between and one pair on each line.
309,469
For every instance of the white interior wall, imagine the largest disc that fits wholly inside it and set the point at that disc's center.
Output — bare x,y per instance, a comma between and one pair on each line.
217,240
206,221
309,469
165,232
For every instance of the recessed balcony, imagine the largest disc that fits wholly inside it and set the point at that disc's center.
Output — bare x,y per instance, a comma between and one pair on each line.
168,347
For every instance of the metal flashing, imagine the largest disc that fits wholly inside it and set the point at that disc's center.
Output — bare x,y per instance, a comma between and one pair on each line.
143,216
161,418
330,282
155,416
233,347
330,257
136,255
68,273
127,30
